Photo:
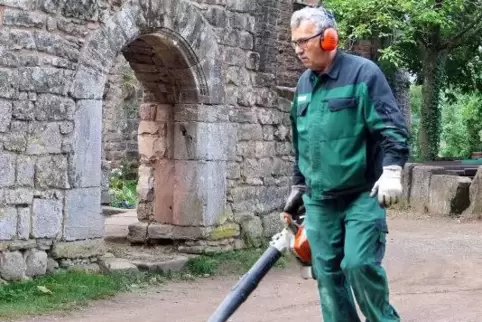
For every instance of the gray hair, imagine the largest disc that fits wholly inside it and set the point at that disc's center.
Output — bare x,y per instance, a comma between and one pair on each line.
321,17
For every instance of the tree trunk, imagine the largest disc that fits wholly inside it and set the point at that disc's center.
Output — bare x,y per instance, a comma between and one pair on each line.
429,131
400,85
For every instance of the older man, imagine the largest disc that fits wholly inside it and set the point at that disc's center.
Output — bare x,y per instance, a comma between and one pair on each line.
350,143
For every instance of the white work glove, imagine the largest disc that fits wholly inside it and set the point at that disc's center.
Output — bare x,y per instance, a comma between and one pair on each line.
388,186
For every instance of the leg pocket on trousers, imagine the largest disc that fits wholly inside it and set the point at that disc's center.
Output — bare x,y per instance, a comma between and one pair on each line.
382,231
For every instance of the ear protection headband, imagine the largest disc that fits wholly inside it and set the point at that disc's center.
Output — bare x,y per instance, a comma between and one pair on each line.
329,40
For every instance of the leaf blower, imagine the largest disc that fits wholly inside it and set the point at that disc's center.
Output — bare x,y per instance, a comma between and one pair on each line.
293,239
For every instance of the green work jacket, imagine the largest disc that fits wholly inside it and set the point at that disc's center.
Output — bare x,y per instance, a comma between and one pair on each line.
346,126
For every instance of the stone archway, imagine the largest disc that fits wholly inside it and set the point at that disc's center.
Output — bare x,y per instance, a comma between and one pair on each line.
184,144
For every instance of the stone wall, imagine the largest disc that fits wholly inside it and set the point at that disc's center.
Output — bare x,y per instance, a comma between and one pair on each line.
258,171
214,139
434,190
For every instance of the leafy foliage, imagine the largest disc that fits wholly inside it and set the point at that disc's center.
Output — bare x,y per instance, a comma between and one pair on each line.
424,37
122,189
461,123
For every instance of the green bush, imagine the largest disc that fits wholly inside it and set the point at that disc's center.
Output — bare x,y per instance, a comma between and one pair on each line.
122,190
461,126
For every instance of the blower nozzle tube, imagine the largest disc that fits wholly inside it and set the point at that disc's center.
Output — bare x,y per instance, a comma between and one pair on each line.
246,285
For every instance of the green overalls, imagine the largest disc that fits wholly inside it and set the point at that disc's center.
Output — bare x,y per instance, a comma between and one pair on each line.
346,127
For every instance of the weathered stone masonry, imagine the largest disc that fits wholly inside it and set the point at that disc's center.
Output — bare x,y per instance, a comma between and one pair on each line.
213,129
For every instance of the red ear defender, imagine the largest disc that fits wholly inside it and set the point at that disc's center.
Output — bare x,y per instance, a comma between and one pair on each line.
329,41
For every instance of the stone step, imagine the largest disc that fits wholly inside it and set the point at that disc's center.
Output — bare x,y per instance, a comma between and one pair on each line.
110,211
117,226
155,258
109,263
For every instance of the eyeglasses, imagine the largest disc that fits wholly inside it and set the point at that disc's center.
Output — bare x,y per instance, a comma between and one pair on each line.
303,41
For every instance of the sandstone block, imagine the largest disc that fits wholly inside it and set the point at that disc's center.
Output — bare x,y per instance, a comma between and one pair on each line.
98,53
204,141
21,245
172,265
51,172
20,4
127,19
475,195
272,224
24,215
46,218
24,19
8,223
199,192
56,45
449,195
116,264
233,170
250,132
15,141
200,113
152,147
44,80
165,174
19,196
12,266
52,265
252,230
83,214
261,199
158,231
44,244
7,169
137,232
35,262
224,231
245,97
54,108
145,185
5,115
87,84
85,164
79,249
85,10
25,171
267,98
407,182
420,188
44,138
8,83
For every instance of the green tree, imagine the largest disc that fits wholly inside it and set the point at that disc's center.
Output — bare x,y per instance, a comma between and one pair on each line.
421,36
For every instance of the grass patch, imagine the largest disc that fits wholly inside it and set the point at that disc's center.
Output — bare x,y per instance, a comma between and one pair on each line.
229,263
68,290
64,291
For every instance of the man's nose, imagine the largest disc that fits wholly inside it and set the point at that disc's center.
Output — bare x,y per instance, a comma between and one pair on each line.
299,50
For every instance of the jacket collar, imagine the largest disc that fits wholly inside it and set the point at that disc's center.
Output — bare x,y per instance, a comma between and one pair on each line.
334,70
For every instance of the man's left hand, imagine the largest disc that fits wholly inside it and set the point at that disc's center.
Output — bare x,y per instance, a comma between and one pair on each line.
389,186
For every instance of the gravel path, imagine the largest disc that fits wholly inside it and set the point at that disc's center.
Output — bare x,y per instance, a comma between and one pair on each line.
433,267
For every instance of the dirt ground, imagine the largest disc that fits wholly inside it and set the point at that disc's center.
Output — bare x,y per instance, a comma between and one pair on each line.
434,268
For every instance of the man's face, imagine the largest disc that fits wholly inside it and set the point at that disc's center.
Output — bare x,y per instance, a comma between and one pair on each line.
309,51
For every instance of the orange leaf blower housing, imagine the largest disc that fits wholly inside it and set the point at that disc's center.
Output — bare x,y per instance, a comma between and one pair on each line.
299,245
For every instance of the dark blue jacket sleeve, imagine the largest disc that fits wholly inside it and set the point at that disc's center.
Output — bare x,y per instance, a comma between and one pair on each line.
384,118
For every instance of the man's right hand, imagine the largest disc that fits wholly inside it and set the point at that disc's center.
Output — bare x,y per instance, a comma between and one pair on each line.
294,200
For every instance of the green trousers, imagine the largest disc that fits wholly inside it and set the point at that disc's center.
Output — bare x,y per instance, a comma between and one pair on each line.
347,240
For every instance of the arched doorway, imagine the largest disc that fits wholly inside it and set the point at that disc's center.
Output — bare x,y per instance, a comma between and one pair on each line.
183,147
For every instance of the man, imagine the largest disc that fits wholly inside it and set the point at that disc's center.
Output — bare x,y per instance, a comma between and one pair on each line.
350,143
